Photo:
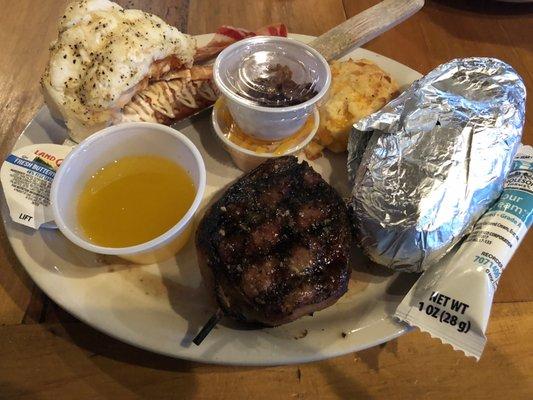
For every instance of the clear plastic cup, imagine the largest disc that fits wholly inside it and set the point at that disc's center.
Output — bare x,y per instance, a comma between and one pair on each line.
241,64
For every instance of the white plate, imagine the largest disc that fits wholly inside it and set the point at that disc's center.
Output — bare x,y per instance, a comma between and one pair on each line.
161,307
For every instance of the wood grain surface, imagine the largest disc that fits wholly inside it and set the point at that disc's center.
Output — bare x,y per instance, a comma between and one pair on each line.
47,354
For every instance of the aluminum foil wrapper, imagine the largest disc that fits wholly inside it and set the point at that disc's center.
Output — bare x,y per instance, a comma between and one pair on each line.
430,163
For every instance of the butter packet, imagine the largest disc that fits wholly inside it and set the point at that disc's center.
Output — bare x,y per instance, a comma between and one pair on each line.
452,300
26,177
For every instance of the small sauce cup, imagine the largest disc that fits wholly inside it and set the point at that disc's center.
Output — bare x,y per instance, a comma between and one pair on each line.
102,148
237,67
244,158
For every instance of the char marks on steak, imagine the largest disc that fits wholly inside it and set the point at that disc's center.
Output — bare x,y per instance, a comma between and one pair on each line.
277,243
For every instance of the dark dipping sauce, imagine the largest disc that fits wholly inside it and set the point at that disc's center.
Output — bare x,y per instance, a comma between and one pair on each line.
276,88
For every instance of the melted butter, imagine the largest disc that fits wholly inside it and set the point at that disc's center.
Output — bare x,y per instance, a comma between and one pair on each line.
133,200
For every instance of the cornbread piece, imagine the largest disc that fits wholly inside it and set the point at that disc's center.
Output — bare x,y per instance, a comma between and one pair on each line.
358,89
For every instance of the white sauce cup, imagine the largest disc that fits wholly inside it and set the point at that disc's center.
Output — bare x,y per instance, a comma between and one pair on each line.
244,158
263,122
102,148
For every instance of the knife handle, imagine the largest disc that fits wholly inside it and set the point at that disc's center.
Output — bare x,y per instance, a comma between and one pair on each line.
365,26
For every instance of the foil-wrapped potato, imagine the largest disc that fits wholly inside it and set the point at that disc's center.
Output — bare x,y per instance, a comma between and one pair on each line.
430,163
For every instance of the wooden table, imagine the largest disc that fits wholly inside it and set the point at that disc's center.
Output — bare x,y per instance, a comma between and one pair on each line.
47,354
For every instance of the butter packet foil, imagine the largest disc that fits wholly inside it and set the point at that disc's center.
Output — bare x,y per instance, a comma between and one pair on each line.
432,161
26,177
452,299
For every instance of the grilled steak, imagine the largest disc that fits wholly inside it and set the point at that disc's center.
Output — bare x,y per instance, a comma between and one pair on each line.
277,243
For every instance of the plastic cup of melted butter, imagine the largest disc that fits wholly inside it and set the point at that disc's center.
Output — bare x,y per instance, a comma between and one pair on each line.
246,151
131,191
271,85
